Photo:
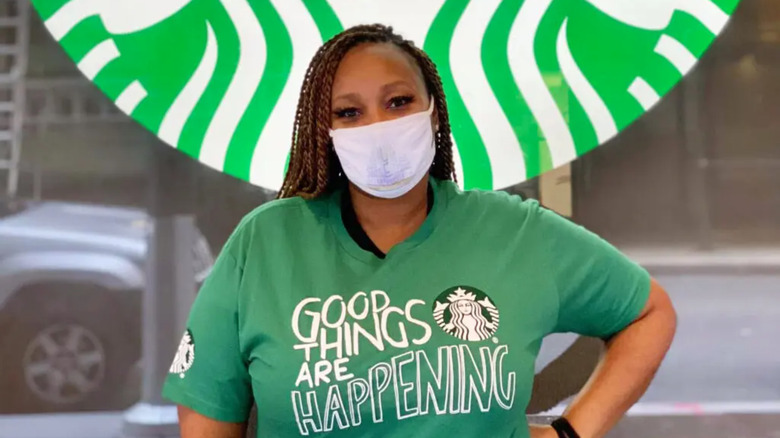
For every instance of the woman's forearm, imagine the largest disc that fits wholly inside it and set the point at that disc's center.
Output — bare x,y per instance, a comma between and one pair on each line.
627,368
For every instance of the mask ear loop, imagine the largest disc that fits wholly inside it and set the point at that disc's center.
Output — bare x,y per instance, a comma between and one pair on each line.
436,127
436,134
430,111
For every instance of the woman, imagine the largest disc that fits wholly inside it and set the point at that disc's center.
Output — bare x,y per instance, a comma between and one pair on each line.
376,299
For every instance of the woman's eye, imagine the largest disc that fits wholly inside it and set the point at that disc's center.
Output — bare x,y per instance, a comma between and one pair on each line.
400,101
346,113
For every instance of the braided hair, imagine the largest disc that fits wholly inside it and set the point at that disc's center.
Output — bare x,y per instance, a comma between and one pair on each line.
314,168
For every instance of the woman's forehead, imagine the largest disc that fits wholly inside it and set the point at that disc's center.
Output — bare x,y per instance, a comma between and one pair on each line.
377,62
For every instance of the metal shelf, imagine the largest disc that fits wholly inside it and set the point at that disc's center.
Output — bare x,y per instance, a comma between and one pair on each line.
14,26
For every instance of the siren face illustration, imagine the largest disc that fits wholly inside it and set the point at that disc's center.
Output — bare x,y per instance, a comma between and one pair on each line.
466,313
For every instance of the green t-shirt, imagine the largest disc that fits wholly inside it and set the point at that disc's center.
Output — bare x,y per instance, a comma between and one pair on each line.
438,338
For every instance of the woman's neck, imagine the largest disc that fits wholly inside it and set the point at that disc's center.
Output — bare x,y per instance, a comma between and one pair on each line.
388,222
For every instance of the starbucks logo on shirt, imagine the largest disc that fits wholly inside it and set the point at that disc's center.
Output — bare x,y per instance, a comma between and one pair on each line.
185,355
466,313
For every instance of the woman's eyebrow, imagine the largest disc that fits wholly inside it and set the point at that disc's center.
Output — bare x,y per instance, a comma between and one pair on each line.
395,84
353,97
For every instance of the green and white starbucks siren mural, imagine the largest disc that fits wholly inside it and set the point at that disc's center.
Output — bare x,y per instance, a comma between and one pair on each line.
531,84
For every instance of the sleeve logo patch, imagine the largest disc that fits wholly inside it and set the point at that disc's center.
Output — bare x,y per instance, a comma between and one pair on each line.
185,355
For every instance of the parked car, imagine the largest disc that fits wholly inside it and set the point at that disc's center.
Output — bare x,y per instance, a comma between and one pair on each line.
71,280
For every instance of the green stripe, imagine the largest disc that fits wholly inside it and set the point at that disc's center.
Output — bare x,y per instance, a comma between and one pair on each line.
585,137
690,32
329,25
163,71
663,76
194,131
495,47
546,51
47,8
279,59
727,6
325,18
623,53
476,163
113,79
84,37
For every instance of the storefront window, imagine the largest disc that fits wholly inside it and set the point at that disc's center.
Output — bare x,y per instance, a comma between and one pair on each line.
690,190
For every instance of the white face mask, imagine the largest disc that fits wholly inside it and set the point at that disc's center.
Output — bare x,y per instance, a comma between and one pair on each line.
387,159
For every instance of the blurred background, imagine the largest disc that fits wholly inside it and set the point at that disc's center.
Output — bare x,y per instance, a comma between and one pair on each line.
691,191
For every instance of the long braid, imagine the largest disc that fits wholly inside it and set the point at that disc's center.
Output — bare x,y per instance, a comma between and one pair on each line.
314,168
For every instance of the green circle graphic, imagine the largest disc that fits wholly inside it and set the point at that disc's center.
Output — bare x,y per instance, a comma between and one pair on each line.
531,84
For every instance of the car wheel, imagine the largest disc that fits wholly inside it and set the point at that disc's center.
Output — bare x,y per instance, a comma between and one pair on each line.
65,351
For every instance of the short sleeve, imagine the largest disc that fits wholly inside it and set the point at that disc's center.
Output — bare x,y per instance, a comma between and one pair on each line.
208,374
601,291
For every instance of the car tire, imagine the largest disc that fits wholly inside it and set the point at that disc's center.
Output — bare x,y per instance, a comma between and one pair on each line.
65,350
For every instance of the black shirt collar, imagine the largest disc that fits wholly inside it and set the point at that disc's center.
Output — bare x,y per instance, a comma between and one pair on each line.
356,231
